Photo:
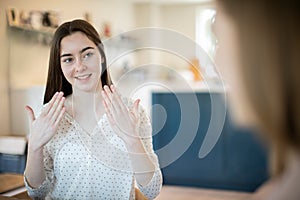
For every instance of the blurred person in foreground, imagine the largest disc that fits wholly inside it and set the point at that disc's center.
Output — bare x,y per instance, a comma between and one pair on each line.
258,47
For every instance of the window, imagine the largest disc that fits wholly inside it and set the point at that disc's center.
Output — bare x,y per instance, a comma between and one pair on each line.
205,39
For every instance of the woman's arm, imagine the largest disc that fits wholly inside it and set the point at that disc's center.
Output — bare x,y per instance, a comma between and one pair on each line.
42,130
126,124
133,126
34,172
142,165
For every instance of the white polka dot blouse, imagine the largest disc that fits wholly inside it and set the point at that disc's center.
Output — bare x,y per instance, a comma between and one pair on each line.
93,166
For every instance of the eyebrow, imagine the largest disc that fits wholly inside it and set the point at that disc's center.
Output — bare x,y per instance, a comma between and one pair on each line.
81,51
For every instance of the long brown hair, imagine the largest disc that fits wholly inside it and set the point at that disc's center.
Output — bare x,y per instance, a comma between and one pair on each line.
269,43
56,80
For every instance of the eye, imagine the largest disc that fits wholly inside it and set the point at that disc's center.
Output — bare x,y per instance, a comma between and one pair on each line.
88,54
68,60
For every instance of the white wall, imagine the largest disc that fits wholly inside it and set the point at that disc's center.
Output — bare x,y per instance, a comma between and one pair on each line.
179,19
4,88
28,57
24,60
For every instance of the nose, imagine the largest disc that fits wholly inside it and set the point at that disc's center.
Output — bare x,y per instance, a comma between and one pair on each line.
79,66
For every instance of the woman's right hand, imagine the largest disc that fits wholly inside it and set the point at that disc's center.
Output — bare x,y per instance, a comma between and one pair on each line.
43,128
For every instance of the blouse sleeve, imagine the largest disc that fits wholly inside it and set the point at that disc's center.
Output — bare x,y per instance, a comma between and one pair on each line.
152,189
42,191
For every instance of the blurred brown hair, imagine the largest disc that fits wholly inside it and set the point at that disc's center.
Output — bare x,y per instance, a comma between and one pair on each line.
269,39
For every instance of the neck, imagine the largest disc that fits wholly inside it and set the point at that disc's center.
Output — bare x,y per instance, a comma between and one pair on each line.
85,98
85,103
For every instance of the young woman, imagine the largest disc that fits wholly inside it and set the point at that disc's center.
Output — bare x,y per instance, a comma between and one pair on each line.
258,52
87,142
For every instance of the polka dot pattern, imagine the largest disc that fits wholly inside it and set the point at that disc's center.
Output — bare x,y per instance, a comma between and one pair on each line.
96,166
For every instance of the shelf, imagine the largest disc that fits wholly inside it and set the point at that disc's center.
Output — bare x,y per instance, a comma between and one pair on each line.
43,30
34,21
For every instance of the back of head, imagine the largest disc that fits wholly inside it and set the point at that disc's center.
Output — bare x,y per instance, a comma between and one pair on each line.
268,38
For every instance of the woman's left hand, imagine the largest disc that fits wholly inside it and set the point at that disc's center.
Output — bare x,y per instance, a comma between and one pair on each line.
124,122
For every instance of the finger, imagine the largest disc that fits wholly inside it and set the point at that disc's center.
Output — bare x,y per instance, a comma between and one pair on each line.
118,101
111,119
30,114
58,110
111,97
107,92
55,104
107,101
136,107
61,114
108,113
48,107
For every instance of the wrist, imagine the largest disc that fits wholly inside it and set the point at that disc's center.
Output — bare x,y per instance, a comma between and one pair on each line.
134,145
34,149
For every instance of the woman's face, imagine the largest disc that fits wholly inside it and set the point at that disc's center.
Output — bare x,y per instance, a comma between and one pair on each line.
80,61
228,63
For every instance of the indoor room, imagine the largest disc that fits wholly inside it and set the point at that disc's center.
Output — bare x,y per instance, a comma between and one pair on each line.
161,52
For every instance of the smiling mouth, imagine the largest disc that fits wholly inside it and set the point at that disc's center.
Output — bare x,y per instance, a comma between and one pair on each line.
83,77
